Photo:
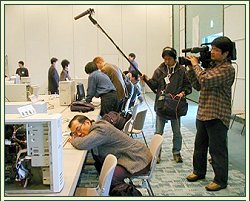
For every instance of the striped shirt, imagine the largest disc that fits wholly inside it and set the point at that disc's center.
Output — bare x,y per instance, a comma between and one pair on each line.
215,85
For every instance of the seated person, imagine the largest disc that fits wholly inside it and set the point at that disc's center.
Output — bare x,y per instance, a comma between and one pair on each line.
134,78
99,85
129,90
133,157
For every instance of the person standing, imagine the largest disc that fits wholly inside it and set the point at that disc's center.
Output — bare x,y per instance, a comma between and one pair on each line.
131,58
170,77
214,111
22,71
53,77
99,85
115,75
64,76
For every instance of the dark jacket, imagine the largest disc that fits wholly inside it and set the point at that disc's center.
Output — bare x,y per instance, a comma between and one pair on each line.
178,81
53,80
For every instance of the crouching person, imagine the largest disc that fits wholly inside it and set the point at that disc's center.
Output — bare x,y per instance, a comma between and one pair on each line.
133,157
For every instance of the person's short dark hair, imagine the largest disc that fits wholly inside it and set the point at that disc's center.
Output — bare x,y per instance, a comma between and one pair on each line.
21,62
80,118
125,72
90,67
134,74
65,63
132,55
53,59
169,51
225,44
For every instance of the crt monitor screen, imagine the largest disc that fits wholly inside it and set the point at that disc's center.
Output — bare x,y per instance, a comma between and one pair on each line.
80,92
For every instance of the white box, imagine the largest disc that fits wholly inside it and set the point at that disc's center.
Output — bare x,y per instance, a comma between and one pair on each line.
66,92
44,145
11,107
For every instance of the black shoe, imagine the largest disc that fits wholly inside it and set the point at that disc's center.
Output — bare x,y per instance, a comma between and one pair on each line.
177,158
194,177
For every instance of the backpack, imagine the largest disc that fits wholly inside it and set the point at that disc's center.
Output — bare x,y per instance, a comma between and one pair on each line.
124,189
79,106
116,119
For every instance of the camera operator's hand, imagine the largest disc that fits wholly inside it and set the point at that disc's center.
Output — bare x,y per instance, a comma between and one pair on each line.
194,60
143,77
181,94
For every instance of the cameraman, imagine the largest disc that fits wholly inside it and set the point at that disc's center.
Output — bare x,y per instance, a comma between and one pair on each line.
170,77
214,111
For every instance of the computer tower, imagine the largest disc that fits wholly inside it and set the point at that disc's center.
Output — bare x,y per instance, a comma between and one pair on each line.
43,153
66,92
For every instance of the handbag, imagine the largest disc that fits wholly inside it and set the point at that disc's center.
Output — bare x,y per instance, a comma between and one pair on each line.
171,107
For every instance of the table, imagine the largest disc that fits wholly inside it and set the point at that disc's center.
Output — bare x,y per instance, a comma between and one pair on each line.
71,170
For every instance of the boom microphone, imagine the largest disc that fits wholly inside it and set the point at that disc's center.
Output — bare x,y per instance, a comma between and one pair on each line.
89,11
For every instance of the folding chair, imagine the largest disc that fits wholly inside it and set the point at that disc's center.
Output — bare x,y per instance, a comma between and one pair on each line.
154,147
105,179
137,124
241,115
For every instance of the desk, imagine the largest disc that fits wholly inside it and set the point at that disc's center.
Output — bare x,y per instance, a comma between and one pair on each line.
73,159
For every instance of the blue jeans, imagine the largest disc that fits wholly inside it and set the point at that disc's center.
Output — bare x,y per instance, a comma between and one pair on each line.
177,137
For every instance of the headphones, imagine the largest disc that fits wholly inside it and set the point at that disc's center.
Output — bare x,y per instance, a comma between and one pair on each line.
168,51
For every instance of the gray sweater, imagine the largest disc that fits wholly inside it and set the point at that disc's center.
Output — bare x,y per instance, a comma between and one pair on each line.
130,153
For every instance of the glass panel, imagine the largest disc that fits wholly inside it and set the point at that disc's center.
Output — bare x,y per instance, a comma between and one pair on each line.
176,28
203,24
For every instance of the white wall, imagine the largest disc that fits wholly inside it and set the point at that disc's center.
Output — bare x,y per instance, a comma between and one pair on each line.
35,33
238,35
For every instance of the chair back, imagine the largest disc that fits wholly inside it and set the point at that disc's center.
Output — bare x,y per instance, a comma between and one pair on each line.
134,111
106,175
128,126
154,147
139,120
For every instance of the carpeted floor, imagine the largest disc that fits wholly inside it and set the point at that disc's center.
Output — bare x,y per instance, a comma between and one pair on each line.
169,178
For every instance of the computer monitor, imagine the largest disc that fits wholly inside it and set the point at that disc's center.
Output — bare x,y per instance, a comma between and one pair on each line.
25,80
15,79
80,94
16,92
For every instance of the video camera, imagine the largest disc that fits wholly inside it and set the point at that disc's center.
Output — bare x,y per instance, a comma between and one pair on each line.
204,58
205,55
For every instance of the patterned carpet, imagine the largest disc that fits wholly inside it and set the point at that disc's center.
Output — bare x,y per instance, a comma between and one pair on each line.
169,178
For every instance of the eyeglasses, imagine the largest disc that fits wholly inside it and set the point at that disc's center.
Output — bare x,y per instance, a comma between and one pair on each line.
78,128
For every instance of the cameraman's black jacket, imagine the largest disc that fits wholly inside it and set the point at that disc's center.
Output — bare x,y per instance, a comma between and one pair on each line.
178,81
